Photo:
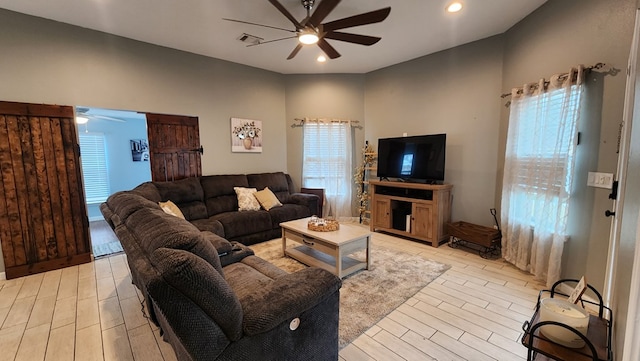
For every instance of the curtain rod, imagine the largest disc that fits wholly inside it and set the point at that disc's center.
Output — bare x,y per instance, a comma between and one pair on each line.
597,66
300,122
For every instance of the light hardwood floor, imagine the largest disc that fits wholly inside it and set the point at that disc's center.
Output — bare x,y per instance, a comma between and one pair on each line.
474,311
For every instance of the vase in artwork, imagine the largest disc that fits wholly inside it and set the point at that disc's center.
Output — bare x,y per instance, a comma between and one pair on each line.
247,142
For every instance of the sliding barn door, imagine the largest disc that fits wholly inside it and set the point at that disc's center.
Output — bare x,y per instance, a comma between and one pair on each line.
174,147
43,219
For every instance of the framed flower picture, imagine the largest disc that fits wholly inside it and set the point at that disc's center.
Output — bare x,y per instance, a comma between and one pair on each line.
246,135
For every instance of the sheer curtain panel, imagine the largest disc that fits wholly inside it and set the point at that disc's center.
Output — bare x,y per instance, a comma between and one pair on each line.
538,171
327,162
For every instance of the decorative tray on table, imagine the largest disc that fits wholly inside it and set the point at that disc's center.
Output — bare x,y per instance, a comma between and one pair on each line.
322,225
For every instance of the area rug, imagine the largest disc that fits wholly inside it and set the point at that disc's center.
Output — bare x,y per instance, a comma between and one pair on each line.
105,249
369,295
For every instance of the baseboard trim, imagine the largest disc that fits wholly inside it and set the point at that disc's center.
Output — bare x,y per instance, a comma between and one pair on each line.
3,276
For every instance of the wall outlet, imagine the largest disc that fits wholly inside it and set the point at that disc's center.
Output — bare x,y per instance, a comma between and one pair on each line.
600,180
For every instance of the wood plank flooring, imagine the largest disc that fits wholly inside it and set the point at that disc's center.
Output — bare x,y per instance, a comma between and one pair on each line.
474,311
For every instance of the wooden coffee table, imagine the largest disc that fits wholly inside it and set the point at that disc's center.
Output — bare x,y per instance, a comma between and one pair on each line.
328,250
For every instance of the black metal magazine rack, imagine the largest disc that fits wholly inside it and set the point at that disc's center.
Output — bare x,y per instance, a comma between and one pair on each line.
597,340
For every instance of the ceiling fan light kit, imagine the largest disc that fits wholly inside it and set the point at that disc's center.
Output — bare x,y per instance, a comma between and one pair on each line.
308,37
311,30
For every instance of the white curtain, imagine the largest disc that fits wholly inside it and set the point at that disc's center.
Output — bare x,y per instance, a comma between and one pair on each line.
538,171
327,162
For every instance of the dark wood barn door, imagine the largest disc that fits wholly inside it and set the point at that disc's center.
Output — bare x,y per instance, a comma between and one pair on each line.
43,218
174,147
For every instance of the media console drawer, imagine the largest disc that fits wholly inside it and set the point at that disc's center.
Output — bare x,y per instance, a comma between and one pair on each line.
310,242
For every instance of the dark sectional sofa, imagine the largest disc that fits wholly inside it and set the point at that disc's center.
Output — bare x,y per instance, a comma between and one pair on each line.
211,204
213,298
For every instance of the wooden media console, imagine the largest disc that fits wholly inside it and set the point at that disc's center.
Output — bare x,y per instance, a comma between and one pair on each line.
413,210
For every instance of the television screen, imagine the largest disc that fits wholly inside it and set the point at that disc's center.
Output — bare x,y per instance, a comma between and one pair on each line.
418,158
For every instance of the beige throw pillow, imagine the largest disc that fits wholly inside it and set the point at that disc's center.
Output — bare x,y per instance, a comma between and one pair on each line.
170,208
267,199
246,200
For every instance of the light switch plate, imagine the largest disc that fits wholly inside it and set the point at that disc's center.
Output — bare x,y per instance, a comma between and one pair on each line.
600,180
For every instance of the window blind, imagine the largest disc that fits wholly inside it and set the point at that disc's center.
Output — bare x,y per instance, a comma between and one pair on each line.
545,145
325,147
93,156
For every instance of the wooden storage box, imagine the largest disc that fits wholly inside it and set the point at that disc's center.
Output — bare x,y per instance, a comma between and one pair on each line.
484,236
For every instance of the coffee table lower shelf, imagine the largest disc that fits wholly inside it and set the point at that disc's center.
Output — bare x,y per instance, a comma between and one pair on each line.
315,258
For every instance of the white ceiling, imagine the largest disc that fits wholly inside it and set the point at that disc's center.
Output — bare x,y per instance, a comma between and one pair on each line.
413,29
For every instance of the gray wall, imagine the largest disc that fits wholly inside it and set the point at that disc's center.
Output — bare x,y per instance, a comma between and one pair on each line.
323,96
48,62
454,92
558,35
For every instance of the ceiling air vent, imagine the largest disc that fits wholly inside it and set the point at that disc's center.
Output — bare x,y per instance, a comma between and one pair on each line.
250,39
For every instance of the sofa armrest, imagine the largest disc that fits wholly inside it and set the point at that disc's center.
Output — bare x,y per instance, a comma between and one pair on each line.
310,201
287,297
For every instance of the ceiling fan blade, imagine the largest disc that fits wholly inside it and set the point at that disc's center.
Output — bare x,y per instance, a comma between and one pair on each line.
325,7
271,41
264,26
104,117
328,49
352,38
286,13
371,17
295,51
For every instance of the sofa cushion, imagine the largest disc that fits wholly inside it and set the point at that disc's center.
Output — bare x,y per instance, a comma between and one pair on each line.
277,182
250,274
155,229
187,194
124,204
238,224
287,212
208,224
149,191
246,199
219,196
200,282
267,199
221,245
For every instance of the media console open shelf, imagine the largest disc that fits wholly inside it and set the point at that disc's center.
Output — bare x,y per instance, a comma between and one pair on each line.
412,210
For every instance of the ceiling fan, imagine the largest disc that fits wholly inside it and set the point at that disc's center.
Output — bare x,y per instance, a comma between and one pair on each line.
311,30
83,115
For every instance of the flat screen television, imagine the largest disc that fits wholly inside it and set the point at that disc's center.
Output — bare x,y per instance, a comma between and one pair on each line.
414,159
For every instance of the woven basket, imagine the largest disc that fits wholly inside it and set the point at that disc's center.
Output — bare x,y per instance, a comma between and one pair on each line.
328,226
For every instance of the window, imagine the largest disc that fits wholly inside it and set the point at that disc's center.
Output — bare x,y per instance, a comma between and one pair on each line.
327,163
541,160
538,173
94,167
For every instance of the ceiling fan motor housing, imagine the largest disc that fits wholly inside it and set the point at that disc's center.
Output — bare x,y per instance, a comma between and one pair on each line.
308,4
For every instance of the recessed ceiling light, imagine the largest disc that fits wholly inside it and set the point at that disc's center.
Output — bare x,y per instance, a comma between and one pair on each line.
454,7
82,120
321,59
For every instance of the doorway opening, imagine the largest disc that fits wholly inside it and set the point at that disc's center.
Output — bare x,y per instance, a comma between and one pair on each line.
115,157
